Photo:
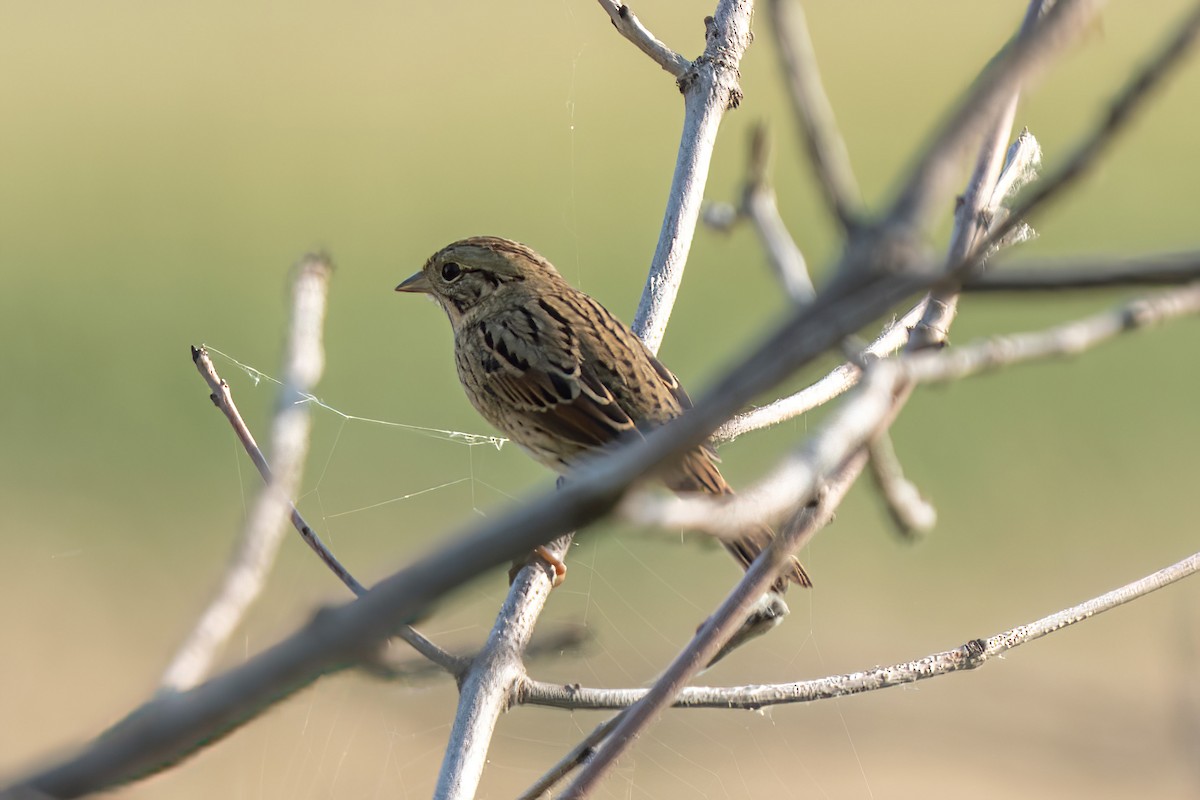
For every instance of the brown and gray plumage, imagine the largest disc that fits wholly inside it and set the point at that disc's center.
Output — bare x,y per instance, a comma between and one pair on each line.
556,372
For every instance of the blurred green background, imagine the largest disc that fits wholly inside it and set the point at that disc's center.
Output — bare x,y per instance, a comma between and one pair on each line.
165,163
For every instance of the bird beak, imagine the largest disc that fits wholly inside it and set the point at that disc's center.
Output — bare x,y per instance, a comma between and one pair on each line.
416,283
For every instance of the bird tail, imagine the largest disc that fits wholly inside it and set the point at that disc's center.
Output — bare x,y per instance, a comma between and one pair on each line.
698,473
747,547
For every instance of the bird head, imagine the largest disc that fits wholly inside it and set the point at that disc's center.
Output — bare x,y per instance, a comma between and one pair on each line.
466,273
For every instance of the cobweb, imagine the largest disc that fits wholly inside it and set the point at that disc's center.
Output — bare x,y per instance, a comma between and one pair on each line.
638,598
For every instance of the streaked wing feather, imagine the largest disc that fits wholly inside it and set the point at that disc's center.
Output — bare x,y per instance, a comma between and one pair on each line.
534,363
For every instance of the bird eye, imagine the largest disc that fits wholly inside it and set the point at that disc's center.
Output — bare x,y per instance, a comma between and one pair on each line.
450,271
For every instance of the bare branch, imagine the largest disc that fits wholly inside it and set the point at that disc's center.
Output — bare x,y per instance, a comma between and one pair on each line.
1069,339
794,479
997,169
223,398
264,529
911,513
576,756
791,484
390,665
1052,276
710,88
1121,111
1021,164
931,180
759,207
825,147
167,729
625,21
488,684
719,627
967,656
834,384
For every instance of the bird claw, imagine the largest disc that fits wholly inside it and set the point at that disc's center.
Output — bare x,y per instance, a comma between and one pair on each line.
556,563
549,559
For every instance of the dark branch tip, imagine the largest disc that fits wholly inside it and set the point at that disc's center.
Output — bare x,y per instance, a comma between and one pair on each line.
973,652
623,11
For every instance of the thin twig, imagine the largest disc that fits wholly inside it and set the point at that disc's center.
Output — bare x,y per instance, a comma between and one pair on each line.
789,485
576,756
825,147
967,656
625,21
758,206
265,525
1068,339
710,88
1121,110
911,513
987,188
390,665
222,397
1156,269
793,480
836,383
717,630
935,173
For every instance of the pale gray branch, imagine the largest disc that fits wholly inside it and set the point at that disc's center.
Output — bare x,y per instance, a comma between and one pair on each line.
719,627
265,525
834,384
392,665
967,656
825,147
1121,110
625,21
710,88
577,755
935,172
1068,339
997,169
487,686
792,482
911,513
759,207
789,485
